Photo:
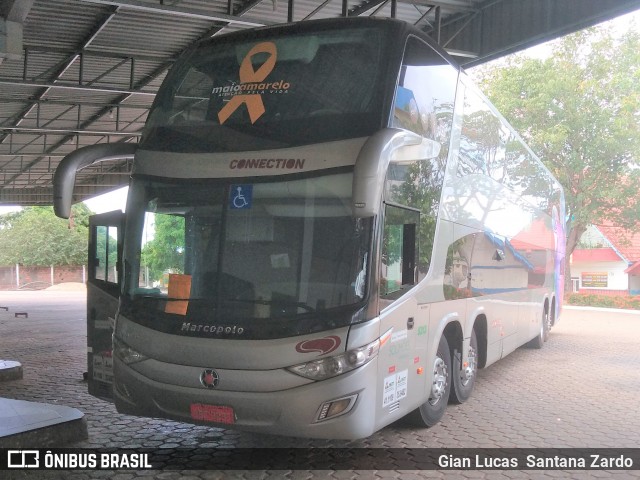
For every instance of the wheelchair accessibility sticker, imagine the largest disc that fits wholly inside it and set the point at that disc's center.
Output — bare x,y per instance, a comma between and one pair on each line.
240,197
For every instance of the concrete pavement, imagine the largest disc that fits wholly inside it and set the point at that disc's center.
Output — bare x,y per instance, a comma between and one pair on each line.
580,390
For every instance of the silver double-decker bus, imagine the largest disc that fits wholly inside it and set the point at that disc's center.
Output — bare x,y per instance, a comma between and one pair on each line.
328,228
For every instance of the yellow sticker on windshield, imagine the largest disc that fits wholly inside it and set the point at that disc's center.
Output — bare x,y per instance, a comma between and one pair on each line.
179,288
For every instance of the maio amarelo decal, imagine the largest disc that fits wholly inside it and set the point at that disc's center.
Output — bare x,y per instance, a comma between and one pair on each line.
251,87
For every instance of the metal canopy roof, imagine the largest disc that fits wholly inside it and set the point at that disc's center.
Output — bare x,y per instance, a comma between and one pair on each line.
79,72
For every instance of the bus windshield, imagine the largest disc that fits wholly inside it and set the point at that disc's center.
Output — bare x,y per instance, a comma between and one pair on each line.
270,258
243,94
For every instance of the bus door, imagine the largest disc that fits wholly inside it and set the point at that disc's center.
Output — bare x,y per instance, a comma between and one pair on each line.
400,312
103,290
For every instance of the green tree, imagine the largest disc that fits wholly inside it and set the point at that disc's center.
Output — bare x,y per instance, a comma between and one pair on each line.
165,253
36,237
578,111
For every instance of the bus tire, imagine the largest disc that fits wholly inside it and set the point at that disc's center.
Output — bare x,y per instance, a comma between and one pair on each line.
431,411
538,341
464,378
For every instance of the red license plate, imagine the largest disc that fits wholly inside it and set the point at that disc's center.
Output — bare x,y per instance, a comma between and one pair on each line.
212,413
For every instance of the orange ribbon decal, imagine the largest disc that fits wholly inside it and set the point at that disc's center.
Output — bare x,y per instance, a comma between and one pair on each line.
248,75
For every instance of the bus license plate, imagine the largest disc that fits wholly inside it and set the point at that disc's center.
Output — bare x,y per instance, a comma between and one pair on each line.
212,413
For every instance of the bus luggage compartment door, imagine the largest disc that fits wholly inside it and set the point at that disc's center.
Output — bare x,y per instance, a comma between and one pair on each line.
103,290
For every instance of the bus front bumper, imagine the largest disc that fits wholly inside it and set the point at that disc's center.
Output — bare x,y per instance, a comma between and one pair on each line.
292,412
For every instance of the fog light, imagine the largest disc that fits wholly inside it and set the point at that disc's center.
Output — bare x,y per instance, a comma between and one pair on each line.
336,407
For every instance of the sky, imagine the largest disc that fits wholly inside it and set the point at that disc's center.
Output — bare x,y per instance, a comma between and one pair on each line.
117,199
108,202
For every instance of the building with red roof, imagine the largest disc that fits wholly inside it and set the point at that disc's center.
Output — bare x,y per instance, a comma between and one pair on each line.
609,261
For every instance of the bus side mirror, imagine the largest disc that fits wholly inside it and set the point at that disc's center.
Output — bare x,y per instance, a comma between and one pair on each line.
425,150
390,145
65,175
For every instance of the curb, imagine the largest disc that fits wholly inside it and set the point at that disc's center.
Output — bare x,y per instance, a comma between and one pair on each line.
10,370
41,425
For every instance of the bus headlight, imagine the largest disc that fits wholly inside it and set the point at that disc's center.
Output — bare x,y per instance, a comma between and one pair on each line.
125,353
337,365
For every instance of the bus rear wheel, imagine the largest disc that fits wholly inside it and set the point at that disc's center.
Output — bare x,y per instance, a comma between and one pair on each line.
431,411
543,334
464,376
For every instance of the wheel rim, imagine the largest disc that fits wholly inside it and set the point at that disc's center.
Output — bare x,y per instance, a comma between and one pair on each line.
545,325
468,372
542,328
439,385
547,318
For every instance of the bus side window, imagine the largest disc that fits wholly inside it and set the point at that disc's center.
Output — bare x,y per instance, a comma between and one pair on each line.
424,101
106,254
399,251
425,93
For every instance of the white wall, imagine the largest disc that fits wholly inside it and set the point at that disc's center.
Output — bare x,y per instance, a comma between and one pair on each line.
618,280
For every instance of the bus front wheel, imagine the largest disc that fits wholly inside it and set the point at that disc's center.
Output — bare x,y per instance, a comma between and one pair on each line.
464,376
430,412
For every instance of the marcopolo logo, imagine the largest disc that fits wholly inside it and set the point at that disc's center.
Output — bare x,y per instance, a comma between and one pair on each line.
212,329
251,82
209,378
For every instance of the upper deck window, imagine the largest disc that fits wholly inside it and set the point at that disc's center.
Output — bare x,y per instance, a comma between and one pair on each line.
271,92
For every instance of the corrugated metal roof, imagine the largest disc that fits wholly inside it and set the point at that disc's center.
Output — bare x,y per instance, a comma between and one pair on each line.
90,68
